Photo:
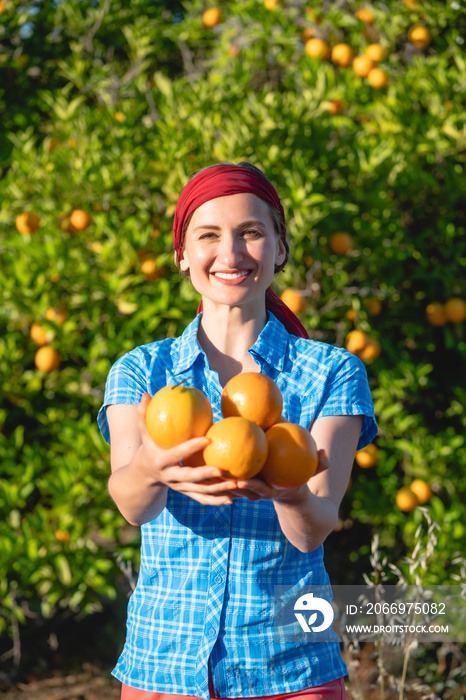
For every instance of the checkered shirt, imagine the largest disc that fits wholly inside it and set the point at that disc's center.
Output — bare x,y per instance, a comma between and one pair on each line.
207,574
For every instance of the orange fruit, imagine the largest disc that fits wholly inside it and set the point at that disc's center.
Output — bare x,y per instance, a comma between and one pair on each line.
341,243
238,447
308,33
411,3
28,222
375,52
119,116
367,456
436,315
406,499
370,351
335,106
62,535
79,220
317,48
455,309
294,299
420,36
253,396
40,335
364,15
351,314
47,358
57,315
211,17
270,4
373,306
176,414
422,490
362,66
377,78
356,341
342,55
292,456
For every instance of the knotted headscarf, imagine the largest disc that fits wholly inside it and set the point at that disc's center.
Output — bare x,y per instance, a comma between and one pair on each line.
222,181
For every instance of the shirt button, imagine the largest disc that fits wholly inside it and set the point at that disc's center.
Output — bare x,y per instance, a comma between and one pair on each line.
218,579
211,632
223,529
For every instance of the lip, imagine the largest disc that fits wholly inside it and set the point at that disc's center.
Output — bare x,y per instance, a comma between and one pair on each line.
233,280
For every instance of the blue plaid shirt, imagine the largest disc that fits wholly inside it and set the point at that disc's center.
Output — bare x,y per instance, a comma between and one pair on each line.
207,574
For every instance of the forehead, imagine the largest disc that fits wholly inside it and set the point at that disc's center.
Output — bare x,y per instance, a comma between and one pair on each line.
232,209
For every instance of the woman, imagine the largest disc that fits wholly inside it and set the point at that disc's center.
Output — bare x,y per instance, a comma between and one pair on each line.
201,620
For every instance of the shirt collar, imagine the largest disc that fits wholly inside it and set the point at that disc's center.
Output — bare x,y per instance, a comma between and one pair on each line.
271,345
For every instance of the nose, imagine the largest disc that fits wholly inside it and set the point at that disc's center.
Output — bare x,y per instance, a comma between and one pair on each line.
230,250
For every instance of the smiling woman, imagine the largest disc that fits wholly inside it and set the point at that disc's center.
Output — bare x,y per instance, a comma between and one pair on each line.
201,619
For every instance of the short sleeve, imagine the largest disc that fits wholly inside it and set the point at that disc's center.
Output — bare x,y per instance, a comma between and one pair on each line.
126,383
347,393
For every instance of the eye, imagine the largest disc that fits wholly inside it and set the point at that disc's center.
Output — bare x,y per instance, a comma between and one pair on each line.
207,234
252,233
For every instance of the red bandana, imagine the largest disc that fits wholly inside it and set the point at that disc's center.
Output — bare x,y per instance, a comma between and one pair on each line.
222,181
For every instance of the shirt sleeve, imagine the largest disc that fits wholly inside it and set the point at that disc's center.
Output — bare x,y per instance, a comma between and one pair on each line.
126,383
347,393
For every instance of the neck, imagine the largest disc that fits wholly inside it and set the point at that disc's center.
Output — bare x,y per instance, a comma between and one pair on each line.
226,334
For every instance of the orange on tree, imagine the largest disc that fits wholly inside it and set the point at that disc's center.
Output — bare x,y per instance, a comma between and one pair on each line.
436,315
211,17
79,220
292,456
238,447
367,456
364,15
374,306
377,78
370,351
57,315
294,299
420,36
47,358
253,396
40,335
406,499
375,52
178,413
356,341
119,116
27,222
151,271
455,309
341,243
342,55
317,48
362,66
270,4
422,490
308,33
62,535
335,106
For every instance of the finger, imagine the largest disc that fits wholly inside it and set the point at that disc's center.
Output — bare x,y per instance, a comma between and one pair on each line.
208,499
194,475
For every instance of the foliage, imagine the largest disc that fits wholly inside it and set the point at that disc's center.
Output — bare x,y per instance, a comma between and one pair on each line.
109,107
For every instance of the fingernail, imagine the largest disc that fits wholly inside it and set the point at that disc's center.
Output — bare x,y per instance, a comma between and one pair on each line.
216,472
227,502
324,454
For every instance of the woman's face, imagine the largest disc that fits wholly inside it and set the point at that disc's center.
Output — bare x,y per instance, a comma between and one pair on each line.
231,249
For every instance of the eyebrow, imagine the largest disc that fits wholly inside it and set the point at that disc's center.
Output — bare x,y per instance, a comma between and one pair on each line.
244,224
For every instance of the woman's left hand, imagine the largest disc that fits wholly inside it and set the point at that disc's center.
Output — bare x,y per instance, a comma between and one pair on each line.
256,488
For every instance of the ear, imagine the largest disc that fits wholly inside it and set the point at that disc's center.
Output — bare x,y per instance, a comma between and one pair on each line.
184,265
281,252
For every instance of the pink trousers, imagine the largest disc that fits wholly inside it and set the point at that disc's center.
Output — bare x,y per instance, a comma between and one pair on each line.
333,690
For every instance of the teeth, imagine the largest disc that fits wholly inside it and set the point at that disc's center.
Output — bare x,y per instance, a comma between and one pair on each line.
230,275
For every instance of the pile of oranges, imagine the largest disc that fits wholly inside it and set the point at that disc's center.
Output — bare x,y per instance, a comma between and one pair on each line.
252,439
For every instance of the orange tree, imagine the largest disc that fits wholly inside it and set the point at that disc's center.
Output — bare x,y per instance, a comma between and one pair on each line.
107,109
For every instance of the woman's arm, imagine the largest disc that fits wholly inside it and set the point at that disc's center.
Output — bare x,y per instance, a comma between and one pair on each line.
142,471
309,513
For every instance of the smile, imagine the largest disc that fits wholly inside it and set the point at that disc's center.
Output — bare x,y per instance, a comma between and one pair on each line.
232,275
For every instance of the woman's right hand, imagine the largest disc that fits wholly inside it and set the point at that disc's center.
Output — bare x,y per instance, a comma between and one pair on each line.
204,484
